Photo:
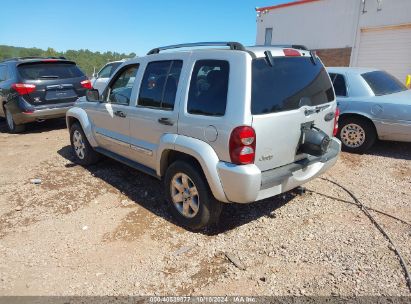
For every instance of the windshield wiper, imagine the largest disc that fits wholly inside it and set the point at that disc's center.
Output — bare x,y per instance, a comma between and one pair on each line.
269,58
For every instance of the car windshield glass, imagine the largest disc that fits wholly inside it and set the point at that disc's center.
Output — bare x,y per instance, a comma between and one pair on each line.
290,83
49,70
382,83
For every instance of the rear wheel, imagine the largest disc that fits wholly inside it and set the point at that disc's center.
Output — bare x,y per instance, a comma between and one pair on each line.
82,150
356,134
190,199
11,125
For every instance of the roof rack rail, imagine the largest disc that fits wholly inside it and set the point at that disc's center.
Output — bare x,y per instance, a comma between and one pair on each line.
233,46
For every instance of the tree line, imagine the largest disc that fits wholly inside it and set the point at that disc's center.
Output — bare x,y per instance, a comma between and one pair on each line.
85,59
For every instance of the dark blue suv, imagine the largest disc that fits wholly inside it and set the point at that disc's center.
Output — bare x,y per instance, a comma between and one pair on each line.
37,88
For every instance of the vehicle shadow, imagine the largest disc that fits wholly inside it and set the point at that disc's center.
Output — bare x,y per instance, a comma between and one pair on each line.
37,127
391,149
148,192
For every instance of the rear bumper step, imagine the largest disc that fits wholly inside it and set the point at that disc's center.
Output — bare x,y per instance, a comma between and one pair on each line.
273,177
246,184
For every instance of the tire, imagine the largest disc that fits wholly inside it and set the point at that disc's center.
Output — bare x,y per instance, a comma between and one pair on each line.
208,208
83,152
357,135
11,125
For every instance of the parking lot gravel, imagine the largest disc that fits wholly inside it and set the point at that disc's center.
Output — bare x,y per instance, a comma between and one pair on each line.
106,230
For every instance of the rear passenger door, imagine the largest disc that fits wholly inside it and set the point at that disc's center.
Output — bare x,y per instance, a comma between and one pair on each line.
156,112
110,120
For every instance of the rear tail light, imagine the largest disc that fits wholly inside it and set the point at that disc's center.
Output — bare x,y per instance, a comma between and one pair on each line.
336,117
291,52
242,145
86,84
23,88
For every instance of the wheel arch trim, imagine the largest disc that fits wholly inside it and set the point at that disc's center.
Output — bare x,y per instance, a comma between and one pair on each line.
81,115
197,149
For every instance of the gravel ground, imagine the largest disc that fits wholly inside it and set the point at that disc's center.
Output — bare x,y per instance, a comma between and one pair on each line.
105,230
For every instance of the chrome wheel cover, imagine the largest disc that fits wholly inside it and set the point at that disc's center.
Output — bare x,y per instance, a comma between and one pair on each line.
184,195
78,144
352,135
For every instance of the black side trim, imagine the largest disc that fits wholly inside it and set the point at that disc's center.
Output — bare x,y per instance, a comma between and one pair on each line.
126,161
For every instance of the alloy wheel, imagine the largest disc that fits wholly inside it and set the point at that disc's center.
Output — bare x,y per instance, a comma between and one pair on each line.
78,143
185,195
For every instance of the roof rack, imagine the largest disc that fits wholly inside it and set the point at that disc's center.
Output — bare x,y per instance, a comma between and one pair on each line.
233,46
33,57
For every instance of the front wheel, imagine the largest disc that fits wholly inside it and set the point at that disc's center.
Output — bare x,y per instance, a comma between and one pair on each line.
82,150
190,199
357,135
11,125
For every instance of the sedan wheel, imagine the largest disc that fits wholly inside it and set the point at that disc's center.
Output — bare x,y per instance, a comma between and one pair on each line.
13,128
353,135
184,195
9,118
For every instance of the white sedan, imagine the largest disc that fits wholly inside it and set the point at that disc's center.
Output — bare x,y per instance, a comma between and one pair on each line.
373,104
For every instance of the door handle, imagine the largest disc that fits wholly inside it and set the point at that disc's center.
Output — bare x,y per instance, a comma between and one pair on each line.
120,114
166,121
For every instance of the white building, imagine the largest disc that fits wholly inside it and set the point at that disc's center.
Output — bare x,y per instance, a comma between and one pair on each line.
362,33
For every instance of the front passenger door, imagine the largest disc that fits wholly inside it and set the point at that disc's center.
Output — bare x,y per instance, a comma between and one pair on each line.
111,125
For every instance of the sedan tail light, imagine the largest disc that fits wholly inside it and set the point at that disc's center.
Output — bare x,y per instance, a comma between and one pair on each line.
23,88
86,84
336,117
242,145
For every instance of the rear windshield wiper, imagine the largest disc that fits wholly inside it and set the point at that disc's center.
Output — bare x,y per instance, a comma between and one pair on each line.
313,57
49,76
269,58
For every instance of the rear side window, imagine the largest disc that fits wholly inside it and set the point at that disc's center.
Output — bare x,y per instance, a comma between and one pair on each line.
53,70
339,84
208,88
382,83
159,84
289,84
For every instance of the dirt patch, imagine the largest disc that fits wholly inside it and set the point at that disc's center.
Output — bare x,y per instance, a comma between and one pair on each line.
135,224
402,172
105,230
352,160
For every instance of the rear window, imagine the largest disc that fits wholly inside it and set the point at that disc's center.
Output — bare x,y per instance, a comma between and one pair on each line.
289,84
382,83
53,70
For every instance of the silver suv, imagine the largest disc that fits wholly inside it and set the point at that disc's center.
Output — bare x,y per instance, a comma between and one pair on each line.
218,125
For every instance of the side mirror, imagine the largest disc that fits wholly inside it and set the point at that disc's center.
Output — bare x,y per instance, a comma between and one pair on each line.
92,95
